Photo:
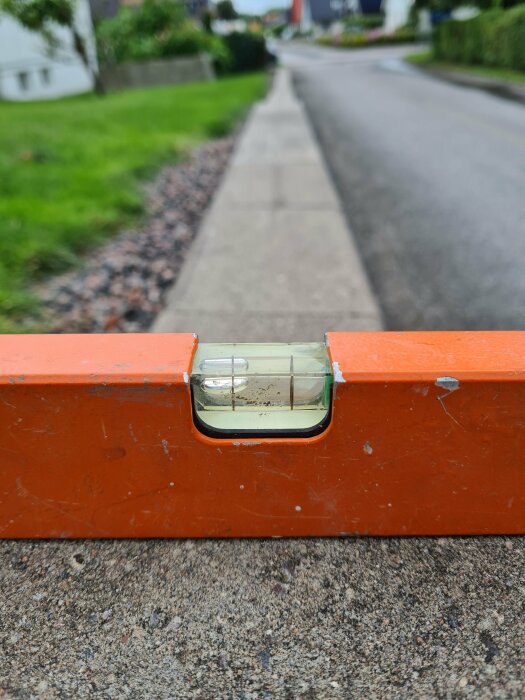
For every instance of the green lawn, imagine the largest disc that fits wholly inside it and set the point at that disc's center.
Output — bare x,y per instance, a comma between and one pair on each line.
70,170
426,59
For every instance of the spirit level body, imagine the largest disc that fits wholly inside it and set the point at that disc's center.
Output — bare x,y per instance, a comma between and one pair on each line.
426,436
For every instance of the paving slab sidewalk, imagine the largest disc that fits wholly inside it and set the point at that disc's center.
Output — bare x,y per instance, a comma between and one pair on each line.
275,259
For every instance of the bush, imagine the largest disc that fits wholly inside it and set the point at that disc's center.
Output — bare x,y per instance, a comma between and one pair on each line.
357,40
247,51
156,29
364,22
301,33
160,29
278,29
495,38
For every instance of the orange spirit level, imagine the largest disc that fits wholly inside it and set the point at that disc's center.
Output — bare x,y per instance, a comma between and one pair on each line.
159,436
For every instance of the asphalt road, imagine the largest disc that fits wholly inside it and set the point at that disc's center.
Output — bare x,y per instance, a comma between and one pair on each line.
432,177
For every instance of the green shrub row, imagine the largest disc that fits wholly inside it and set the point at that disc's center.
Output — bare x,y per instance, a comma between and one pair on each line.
364,21
278,30
494,38
355,40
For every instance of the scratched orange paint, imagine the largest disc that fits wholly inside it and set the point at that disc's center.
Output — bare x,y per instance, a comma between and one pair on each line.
97,440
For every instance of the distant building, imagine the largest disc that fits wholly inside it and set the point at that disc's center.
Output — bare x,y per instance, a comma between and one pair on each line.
396,13
296,12
307,14
195,8
104,9
29,72
325,12
273,18
223,27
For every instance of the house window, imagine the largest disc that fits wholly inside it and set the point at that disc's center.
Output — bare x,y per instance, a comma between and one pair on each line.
23,80
45,76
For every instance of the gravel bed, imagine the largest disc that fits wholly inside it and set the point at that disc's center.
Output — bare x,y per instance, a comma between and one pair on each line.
123,284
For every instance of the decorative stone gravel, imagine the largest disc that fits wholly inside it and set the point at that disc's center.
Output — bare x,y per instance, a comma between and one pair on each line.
123,284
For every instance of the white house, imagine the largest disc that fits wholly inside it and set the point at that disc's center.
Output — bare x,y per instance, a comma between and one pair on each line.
29,72
396,13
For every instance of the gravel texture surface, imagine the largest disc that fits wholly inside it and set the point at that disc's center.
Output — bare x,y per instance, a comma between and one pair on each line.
123,284
309,619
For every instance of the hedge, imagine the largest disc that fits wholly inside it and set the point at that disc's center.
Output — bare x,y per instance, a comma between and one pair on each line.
363,22
247,51
495,38
357,40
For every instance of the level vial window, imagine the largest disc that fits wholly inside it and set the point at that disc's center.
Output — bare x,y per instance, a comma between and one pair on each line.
265,389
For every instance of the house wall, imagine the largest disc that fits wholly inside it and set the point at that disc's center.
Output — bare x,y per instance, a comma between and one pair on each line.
396,13
28,73
306,17
296,12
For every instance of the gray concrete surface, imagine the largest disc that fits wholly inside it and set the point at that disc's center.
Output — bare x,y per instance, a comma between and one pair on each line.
431,176
274,259
170,71
243,620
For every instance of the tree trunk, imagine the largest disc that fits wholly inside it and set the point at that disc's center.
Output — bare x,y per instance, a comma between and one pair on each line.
80,48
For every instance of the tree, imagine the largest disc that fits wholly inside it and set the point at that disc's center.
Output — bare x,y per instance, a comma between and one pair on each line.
40,16
226,10
207,20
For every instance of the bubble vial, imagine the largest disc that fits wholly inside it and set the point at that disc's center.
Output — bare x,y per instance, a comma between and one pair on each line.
264,389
